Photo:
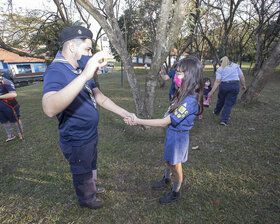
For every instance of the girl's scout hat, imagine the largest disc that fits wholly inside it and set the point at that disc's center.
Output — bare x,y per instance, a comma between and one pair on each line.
75,32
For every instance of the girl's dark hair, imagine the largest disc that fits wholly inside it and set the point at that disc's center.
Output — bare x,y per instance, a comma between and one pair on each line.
192,83
205,79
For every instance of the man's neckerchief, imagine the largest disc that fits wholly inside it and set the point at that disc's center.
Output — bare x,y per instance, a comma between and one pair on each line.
59,58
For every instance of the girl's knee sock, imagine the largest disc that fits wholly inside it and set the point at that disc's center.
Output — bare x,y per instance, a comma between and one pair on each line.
167,173
8,129
176,186
20,123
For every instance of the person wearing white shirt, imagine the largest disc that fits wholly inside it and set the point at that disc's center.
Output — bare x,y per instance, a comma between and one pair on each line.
228,76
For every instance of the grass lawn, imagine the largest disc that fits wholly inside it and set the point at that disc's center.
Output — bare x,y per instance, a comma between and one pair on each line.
232,178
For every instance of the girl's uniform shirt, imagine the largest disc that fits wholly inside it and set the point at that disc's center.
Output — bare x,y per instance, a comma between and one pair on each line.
177,136
10,87
206,91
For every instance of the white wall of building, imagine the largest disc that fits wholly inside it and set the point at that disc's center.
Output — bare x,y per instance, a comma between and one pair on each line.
104,44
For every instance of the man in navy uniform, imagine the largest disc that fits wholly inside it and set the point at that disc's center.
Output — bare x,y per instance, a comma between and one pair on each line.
71,95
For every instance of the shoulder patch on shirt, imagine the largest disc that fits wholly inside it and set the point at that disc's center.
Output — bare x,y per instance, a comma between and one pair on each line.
182,108
182,111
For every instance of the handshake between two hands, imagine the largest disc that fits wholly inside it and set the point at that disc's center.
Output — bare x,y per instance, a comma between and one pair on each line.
130,119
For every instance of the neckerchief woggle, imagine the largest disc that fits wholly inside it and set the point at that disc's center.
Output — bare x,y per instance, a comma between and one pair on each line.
59,58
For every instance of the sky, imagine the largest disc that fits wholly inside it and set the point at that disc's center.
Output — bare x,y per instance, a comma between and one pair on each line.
42,5
31,4
49,5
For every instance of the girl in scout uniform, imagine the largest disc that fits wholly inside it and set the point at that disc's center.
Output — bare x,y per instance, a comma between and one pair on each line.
207,88
186,104
7,116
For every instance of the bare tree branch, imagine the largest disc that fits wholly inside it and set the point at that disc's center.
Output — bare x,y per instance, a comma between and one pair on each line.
20,53
60,11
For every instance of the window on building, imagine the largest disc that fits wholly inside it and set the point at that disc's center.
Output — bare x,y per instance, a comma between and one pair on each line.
42,68
24,69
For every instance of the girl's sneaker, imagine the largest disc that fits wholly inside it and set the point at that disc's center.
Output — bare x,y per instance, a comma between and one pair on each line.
11,137
170,197
206,102
223,123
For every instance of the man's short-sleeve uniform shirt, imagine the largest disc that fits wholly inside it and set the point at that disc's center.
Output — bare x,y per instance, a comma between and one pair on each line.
177,136
78,122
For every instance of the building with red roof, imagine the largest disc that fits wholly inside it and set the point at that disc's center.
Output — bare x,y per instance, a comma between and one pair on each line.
17,64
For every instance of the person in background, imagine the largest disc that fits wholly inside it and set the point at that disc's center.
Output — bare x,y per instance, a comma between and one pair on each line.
170,75
228,76
70,94
207,88
214,63
8,105
186,104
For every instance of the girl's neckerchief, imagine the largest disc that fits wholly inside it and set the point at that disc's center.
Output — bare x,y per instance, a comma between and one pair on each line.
59,58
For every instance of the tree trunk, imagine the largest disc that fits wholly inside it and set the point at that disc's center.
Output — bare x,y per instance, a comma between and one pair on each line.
166,34
163,45
262,76
259,56
136,93
111,28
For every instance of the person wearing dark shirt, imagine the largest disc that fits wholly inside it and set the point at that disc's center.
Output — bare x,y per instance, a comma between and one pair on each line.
170,75
70,94
9,108
206,89
179,120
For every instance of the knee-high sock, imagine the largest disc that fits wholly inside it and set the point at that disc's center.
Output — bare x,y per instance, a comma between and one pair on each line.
85,187
167,173
21,126
8,129
94,177
177,176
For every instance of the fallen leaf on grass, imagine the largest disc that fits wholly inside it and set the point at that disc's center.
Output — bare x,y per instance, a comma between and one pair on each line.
212,140
196,147
217,202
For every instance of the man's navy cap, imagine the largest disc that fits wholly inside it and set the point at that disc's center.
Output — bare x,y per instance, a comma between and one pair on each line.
75,32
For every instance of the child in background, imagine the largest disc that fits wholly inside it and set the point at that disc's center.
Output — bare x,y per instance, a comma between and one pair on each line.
207,88
9,106
186,104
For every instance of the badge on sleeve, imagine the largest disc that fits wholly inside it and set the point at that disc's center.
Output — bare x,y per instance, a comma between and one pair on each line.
182,111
